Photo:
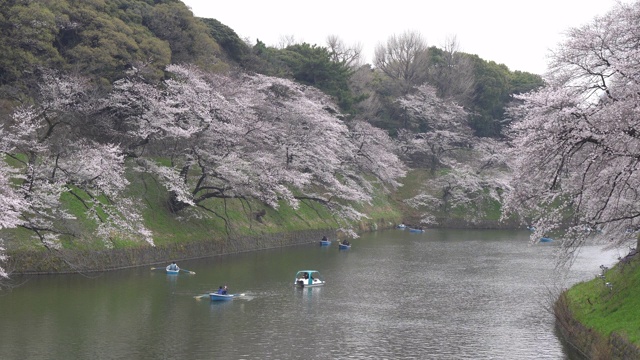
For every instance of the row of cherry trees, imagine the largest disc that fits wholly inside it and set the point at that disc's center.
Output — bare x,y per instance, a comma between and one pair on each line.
226,136
466,171
572,166
577,140
48,157
250,136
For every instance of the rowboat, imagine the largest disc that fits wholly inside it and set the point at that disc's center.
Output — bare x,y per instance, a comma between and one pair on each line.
221,297
402,226
546,239
416,230
344,246
308,278
325,242
172,271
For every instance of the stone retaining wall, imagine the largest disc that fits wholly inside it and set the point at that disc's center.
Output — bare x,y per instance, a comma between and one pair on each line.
67,261
588,342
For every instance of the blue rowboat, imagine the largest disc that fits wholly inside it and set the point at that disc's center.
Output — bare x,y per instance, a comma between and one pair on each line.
416,230
221,297
546,239
344,246
308,278
325,242
224,297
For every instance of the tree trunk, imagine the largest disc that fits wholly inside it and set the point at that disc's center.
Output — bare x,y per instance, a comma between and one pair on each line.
175,205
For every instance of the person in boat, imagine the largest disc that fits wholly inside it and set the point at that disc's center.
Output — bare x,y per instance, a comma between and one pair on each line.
173,266
324,238
222,290
345,242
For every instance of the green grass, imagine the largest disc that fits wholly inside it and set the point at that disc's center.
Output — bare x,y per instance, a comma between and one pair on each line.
198,224
223,218
606,311
233,217
413,184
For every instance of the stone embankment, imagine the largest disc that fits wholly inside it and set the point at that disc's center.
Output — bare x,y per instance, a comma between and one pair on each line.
588,342
68,261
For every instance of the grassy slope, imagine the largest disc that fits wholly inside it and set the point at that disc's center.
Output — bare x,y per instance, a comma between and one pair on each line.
606,311
237,217
225,218
413,185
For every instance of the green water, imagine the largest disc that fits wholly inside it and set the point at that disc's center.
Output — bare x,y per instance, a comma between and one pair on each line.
444,294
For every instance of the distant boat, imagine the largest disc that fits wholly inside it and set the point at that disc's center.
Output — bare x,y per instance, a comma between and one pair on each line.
416,230
402,226
325,242
545,239
344,246
172,271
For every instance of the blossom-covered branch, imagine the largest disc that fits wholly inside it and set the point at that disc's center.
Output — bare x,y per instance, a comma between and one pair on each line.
577,140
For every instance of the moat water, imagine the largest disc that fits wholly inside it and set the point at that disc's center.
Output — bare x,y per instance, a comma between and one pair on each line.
442,294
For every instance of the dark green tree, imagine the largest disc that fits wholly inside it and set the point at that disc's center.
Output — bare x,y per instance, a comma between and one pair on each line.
312,65
187,36
94,38
28,32
494,88
235,49
490,95
523,82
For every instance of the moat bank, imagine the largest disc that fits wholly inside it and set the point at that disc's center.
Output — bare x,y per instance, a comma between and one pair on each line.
599,318
68,261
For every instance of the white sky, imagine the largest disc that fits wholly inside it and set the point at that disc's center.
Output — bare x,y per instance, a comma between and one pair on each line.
517,33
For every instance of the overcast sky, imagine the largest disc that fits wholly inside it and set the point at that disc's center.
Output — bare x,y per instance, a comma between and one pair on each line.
517,33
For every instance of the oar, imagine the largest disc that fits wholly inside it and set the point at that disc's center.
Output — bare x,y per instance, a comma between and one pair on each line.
157,268
187,271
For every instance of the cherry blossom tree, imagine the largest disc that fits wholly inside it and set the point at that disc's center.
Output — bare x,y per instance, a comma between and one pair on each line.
11,206
474,179
439,127
340,161
376,153
55,159
577,140
465,171
249,136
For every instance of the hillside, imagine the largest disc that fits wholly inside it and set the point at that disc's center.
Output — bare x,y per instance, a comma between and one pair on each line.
100,39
